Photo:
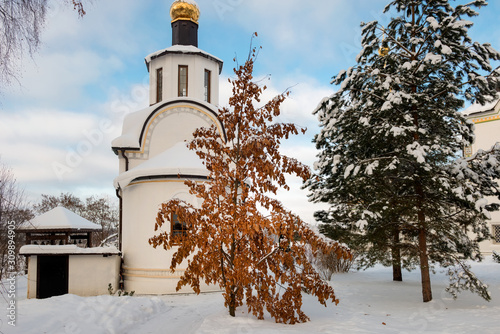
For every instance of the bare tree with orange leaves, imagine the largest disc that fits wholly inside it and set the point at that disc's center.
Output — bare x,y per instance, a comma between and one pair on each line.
256,258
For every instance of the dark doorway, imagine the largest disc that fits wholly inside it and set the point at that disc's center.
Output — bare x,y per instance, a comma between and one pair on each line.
52,276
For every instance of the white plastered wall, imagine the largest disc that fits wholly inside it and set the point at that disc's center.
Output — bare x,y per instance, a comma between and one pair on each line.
196,71
32,270
168,126
174,128
90,275
146,269
487,134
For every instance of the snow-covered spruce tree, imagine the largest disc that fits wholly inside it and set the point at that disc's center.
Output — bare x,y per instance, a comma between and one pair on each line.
254,257
391,137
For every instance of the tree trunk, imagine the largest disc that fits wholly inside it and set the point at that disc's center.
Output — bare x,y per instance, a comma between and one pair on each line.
397,274
422,228
424,260
232,304
422,246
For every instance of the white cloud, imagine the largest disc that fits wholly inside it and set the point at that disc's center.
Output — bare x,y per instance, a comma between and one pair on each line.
297,109
47,125
296,200
62,77
307,33
54,150
305,95
78,56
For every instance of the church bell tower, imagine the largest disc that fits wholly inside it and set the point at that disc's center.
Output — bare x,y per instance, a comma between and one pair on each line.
154,161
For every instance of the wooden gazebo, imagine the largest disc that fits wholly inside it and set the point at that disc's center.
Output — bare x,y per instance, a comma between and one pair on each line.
59,226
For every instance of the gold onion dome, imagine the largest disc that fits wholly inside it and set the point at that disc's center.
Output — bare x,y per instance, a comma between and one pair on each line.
185,10
383,51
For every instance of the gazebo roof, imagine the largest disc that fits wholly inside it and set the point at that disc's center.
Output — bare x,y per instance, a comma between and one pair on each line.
60,219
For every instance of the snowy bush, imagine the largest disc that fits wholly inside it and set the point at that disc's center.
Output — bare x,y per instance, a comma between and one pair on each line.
328,264
496,257
119,292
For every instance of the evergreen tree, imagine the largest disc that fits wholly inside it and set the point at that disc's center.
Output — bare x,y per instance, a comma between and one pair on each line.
254,257
391,138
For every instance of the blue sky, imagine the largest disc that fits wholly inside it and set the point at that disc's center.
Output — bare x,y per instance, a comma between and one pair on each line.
89,73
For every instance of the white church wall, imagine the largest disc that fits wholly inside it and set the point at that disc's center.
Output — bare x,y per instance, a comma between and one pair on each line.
487,134
196,71
142,200
173,129
146,269
121,164
168,126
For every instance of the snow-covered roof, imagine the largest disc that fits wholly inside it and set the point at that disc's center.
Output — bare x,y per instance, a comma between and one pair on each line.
59,218
183,49
132,128
177,160
133,123
477,108
67,250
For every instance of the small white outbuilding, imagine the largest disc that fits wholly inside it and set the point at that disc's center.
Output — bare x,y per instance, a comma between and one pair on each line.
58,270
60,258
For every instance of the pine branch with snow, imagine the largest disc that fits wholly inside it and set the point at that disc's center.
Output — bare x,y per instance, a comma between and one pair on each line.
463,279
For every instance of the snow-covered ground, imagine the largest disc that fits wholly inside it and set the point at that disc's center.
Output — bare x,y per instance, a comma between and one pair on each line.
369,303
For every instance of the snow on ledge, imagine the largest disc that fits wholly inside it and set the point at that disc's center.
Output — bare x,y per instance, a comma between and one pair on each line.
67,250
477,108
183,49
177,160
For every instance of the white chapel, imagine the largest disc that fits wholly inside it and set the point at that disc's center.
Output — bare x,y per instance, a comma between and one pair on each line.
486,119
154,160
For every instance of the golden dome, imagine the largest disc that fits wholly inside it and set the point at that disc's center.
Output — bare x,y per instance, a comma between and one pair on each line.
383,51
185,10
